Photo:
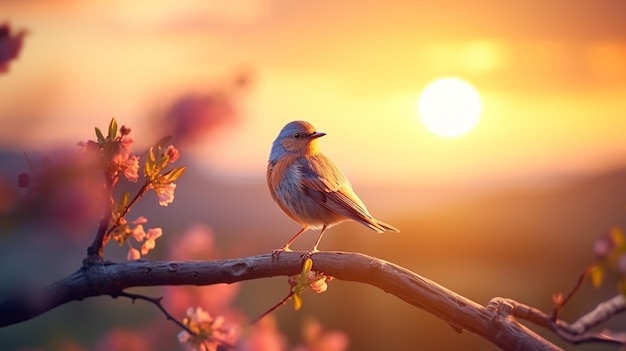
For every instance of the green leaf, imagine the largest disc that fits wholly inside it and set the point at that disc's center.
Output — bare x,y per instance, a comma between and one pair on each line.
174,174
124,199
596,273
302,282
306,267
152,155
112,129
99,135
297,302
163,161
148,169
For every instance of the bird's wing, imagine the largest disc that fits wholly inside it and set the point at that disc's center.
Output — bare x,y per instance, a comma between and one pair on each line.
328,186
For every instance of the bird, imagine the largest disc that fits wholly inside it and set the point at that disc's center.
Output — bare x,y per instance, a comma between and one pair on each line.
308,187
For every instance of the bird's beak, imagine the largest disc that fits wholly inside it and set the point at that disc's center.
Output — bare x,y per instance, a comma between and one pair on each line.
317,135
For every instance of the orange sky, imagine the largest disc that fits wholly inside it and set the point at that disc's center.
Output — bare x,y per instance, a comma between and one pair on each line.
552,76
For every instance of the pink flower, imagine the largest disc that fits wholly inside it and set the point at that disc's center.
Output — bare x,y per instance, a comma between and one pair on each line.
148,240
123,151
124,130
172,153
603,246
140,220
126,142
10,46
316,338
138,233
264,335
209,333
131,168
195,243
150,243
165,193
317,282
133,254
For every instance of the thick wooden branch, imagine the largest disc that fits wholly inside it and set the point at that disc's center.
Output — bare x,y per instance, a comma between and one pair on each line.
110,278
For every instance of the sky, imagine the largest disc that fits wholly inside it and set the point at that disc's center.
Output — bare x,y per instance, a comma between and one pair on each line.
551,75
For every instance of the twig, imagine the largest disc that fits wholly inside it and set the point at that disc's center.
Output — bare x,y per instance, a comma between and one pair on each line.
273,308
570,294
95,252
132,202
155,301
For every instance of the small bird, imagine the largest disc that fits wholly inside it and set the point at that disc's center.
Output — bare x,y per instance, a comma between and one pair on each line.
309,188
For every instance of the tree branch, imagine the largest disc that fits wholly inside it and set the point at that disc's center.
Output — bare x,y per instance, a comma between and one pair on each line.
575,333
108,278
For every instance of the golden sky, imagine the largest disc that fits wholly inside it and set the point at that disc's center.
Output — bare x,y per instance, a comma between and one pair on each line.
552,76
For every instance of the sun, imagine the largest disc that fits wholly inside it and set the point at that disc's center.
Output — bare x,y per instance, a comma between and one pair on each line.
449,107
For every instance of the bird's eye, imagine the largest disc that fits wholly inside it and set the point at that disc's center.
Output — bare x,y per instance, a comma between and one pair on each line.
297,136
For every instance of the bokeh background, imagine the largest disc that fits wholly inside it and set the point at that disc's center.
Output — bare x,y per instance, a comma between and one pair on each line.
511,209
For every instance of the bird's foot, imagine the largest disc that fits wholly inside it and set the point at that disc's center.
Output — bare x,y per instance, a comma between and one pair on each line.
277,252
309,253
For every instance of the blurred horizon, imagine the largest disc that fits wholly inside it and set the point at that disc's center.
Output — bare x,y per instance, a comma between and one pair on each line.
551,78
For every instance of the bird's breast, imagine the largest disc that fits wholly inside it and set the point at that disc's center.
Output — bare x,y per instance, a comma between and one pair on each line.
285,180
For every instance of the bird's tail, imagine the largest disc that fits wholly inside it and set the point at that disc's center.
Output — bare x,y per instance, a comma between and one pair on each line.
376,225
387,227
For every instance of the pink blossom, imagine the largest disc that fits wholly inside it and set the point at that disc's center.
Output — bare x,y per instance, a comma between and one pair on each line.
263,336
209,333
124,130
131,168
317,282
172,153
123,151
194,116
138,233
165,193
67,188
150,243
603,245
10,46
140,220
317,339
126,143
123,161
196,243
133,254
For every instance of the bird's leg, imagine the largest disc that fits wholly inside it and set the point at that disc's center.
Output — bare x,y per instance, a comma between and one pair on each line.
285,247
309,253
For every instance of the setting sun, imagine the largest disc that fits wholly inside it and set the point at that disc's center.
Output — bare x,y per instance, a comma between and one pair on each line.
449,107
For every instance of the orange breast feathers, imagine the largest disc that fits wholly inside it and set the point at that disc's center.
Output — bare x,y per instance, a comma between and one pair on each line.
282,177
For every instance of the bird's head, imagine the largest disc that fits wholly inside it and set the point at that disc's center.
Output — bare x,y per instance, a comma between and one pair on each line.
295,137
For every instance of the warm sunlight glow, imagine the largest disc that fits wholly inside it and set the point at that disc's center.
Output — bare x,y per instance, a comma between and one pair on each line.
449,107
